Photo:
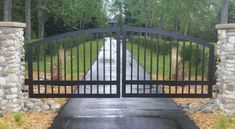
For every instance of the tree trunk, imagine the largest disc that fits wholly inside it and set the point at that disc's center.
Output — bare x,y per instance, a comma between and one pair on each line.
176,24
28,19
224,12
7,15
41,20
186,25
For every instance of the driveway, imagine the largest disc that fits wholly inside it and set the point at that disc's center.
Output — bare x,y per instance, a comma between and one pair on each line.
120,113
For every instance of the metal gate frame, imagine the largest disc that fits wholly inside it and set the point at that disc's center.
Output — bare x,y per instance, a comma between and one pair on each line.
121,36
31,82
163,82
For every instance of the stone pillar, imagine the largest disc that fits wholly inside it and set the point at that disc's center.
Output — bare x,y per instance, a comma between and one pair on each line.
11,66
226,68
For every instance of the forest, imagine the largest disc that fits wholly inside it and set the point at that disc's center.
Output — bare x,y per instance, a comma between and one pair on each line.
45,18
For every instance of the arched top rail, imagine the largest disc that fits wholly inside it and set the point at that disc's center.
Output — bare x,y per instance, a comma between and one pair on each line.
174,35
157,31
74,33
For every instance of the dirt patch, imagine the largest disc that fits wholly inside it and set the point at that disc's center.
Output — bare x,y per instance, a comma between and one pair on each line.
205,120
32,120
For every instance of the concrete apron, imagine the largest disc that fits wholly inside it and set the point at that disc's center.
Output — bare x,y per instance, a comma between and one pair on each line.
119,113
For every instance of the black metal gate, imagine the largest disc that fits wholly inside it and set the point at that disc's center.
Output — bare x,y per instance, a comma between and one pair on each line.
70,65
158,63
155,63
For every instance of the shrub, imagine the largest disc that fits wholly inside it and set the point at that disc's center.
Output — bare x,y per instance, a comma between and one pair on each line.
195,55
19,119
158,45
3,125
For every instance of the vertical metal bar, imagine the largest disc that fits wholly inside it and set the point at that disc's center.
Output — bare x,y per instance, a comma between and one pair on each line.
177,62
65,87
158,52
124,33
38,66
51,58
91,62
78,62
103,60
145,45
30,71
151,60
111,34
183,65
91,56
71,62
158,49
97,60
177,58
118,62
196,58
71,59
84,60
210,72
77,44
203,67
58,64
164,62
45,76
190,67
170,63
131,59
138,58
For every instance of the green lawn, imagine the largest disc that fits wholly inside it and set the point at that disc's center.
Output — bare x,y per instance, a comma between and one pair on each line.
68,61
161,68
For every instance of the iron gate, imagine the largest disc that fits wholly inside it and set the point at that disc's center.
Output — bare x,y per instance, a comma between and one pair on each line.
158,63
155,63
71,65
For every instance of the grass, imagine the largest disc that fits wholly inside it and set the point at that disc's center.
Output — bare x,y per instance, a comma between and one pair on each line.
3,125
161,67
89,59
19,118
225,122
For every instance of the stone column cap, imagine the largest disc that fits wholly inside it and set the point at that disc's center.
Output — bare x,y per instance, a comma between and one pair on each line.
225,26
12,24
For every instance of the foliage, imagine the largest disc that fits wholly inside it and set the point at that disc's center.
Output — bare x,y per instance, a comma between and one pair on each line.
226,122
194,52
77,13
61,15
79,61
3,125
156,44
163,46
190,17
162,58
19,118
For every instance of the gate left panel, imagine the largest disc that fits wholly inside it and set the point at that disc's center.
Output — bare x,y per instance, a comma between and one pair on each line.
79,64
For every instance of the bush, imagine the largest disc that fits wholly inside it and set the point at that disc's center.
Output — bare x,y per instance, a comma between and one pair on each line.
3,125
19,118
157,46
192,54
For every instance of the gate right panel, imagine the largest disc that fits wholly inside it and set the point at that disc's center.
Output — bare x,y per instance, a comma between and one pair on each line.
158,63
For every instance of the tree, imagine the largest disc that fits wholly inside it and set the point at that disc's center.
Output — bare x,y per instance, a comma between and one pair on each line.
41,18
224,12
7,15
77,13
28,19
